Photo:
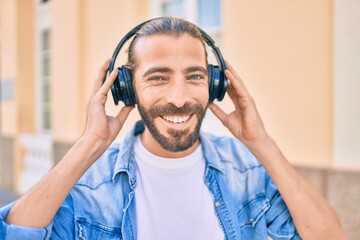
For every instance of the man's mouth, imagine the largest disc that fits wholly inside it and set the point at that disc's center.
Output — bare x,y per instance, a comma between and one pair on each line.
176,119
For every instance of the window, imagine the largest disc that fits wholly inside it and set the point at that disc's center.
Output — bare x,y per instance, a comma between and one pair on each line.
173,8
43,69
205,13
45,83
209,13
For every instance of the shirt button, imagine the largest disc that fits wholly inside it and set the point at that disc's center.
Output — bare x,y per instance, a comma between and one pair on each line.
251,220
217,204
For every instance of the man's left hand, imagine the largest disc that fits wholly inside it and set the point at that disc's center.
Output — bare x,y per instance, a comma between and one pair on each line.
244,122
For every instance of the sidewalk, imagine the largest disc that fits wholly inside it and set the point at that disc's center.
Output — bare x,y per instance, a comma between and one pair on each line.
6,197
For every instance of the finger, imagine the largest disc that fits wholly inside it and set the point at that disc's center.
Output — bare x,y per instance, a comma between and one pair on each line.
219,113
104,89
236,92
232,69
99,80
238,84
124,113
233,95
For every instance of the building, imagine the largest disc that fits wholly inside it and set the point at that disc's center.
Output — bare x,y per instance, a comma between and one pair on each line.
299,60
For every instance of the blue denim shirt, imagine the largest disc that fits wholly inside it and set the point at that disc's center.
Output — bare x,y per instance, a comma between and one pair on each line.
102,203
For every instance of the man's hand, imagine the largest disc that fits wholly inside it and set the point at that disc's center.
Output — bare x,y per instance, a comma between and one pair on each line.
244,122
99,125
306,206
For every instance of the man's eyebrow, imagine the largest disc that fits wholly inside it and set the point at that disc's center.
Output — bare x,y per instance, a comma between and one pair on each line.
196,69
157,69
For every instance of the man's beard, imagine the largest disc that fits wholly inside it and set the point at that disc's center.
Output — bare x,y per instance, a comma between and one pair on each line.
178,140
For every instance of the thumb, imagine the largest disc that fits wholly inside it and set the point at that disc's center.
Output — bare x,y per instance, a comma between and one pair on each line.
218,112
124,113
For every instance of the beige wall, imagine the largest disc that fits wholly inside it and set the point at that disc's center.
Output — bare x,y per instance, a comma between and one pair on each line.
8,15
25,83
17,26
346,84
17,64
282,50
65,69
102,36
82,42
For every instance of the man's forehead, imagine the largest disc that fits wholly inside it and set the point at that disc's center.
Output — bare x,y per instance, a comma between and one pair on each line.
162,40
159,46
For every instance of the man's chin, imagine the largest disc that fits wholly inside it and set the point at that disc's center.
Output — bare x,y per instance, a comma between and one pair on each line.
172,136
176,140
176,146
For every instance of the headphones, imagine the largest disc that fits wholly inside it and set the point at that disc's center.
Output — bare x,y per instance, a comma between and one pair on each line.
122,88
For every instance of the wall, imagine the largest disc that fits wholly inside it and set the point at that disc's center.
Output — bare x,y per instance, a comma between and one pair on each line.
346,84
66,69
8,73
82,42
17,112
283,51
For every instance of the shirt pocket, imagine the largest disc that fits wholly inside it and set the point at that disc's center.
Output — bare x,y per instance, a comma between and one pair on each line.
250,212
87,230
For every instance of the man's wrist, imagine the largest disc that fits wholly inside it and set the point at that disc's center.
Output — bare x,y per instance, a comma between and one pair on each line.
261,143
92,146
264,148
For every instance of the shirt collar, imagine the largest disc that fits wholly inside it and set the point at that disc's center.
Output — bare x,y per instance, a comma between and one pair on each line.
211,155
126,161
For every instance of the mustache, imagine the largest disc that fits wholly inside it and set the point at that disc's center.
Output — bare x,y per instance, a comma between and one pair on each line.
171,109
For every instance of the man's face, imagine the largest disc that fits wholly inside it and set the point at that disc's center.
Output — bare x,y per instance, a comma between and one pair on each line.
171,85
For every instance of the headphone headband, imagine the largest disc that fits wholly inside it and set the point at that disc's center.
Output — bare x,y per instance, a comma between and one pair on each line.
220,87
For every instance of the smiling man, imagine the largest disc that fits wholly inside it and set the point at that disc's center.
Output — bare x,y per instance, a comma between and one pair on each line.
172,92
168,179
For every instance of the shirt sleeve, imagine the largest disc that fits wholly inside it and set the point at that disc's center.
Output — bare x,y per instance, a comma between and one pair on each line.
14,232
62,226
279,221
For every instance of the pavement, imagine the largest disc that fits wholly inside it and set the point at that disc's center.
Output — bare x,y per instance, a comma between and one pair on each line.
6,197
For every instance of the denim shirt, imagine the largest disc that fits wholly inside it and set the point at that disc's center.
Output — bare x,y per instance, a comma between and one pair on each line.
102,204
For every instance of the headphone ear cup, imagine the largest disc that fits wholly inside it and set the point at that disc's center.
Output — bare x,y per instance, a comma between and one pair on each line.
115,89
212,93
125,86
221,83
217,83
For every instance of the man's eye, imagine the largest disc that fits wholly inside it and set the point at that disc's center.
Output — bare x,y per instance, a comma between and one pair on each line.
156,78
195,77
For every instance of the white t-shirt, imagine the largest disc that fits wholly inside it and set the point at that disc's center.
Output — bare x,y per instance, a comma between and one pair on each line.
172,200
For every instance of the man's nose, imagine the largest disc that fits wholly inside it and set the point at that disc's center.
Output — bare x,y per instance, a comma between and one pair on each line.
178,93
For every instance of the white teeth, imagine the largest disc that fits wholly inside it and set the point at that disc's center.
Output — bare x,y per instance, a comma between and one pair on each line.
176,119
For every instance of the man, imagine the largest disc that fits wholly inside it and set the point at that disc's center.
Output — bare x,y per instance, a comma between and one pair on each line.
167,180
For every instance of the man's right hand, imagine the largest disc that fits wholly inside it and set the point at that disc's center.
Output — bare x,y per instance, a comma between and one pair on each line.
99,125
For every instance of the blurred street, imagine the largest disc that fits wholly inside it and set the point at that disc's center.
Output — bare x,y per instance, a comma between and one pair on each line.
6,197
